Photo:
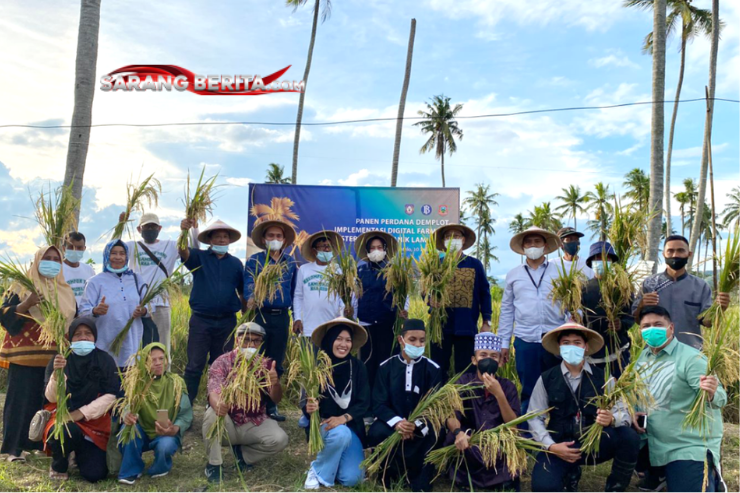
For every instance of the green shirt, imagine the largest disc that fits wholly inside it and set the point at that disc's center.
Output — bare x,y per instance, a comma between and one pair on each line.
673,377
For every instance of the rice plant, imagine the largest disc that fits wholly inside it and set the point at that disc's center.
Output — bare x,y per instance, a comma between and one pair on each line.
399,275
56,215
729,275
341,279
268,280
566,291
628,231
616,286
199,204
147,191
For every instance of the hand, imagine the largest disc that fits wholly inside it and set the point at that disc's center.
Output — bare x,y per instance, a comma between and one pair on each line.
604,417
406,429
636,425
168,431
462,441
130,419
404,314
139,312
724,300
102,308
493,386
312,405
486,327
615,325
333,422
709,383
187,224
272,374
76,415
565,452
650,299
297,327
251,304
31,300
59,362
504,356
348,312
433,302
121,217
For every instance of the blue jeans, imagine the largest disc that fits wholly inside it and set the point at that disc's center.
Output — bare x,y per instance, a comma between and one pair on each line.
164,448
688,475
340,458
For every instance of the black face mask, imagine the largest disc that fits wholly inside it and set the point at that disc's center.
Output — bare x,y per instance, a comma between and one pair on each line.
149,235
487,365
571,248
676,263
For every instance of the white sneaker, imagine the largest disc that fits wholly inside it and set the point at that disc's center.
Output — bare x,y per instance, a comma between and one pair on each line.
312,481
160,475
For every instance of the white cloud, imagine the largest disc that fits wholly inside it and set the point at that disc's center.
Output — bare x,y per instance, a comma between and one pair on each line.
628,120
615,59
239,182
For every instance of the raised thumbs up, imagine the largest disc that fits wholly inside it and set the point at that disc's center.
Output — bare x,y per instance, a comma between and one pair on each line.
102,308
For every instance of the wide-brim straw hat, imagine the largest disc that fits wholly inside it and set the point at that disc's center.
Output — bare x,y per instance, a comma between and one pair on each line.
258,233
359,334
334,238
216,225
593,338
361,243
439,235
552,242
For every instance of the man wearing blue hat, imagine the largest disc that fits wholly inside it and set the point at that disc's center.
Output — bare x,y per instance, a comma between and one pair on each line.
496,403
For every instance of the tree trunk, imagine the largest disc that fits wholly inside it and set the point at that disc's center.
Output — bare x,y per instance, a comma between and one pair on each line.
85,63
696,227
402,104
575,221
297,139
670,134
714,221
657,130
443,170
683,222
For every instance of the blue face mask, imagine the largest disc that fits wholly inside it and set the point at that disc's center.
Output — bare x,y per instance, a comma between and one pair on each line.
572,355
117,271
74,256
600,266
49,268
220,249
325,256
413,352
82,348
655,336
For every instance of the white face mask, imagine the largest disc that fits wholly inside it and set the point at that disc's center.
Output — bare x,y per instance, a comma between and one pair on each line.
274,245
248,351
455,244
376,255
534,253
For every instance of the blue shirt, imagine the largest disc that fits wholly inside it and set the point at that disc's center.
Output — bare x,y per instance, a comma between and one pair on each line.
215,283
376,304
283,298
470,297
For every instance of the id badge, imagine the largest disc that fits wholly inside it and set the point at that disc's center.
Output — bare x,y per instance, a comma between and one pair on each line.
578,422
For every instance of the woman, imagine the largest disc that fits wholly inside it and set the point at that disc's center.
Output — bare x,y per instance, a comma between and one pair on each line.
25,356
375,308
342,407
92,386
112,297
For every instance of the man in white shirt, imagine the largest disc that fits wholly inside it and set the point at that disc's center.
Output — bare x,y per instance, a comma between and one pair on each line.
76,273
311,304
571,243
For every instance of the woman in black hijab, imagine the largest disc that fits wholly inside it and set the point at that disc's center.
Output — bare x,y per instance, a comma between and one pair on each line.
92,385
342,407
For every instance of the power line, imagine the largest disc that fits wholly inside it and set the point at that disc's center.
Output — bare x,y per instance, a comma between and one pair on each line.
367,120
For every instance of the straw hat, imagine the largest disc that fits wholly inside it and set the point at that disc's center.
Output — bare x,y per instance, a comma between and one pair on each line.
258,233
204,236
359,334
552,242
593,338
334,238
442,230
361,243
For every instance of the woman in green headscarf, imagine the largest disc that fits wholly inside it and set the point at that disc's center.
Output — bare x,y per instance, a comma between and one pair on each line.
167,391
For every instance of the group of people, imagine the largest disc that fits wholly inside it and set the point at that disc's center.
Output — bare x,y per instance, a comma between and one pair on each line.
379,375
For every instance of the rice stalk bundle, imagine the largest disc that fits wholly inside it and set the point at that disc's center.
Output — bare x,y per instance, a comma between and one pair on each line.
312,370
158,288
268,281
199,204
148,191
434,408
341,278
567,289
436,272
628,231
399,274
616,287
292,353
729,276
56,215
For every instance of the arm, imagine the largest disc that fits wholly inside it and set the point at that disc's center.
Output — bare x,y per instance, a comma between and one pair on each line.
381,399
298,296
184,417
538,402
637,303
484,295
12,322
250,270
506,318
98,407
90,298
185,225
51,392
695,373
706,302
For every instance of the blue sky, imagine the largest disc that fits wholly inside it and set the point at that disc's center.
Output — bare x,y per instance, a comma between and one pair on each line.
492,56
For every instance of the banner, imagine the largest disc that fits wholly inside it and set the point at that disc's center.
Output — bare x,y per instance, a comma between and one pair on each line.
411,214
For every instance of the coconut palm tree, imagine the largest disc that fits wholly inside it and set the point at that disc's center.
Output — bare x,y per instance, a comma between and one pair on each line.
690,189
275,174
732,210
693,21
85,83
518,225
463,217
484,253
402,104
479,201
483,247
325,13
600,203
683,200
439,121
544,217
571,202
638,188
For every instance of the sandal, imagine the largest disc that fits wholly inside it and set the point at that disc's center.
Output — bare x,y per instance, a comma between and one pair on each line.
17,458
58,476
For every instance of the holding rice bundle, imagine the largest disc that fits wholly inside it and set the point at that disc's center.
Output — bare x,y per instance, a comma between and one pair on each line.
267,281
147,191
399,276
567,291
198,205
341,278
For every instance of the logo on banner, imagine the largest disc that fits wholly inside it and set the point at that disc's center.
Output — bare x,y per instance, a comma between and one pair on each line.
426,209
443,210
409,209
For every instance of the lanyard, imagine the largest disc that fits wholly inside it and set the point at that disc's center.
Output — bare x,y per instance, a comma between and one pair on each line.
578,417
537,285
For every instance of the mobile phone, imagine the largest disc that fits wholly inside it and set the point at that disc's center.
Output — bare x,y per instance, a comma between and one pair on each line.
163,417
642,421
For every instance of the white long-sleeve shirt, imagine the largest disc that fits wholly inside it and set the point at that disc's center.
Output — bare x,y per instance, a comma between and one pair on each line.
90,411
311,305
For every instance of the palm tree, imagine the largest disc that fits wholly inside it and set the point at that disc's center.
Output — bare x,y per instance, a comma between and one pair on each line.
325,13
518,225
543,217
479,201
600,203
463,217
275,174
484,253
402,103
732,210
441,124
683,200
638,188
85,83
693,21
691,193
571,202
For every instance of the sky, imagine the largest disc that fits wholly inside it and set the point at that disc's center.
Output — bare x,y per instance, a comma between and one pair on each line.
491,56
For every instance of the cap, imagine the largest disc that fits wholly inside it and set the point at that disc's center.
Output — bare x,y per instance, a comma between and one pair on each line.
149,218
567,231
487,341
250,328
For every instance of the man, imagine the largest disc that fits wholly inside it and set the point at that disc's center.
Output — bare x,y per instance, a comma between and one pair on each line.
495,404
616,350
274,237
218,284
402,380
683,295
75,273
569,389
676,373
571,243
527,311
311,304
470,296
252,436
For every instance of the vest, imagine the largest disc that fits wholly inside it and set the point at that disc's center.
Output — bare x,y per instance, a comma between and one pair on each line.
375,305
562,423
